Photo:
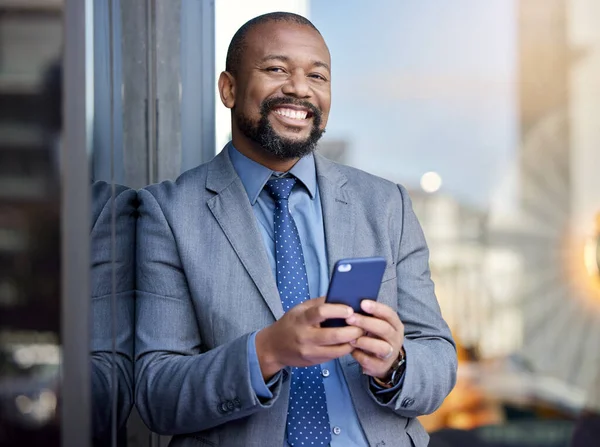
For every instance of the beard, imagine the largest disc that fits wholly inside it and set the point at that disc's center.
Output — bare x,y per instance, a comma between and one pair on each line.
264,135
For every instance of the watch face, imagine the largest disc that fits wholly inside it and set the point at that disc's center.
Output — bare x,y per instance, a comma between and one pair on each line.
401,360
398,370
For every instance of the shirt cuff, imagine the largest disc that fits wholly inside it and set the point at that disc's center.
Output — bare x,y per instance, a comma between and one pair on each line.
378,390
259,386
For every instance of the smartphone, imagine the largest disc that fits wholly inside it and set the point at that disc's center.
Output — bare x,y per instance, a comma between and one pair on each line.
352,281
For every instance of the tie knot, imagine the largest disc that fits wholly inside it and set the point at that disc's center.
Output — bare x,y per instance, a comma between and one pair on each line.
280,188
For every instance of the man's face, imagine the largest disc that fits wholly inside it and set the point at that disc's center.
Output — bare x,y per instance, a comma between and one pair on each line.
283,89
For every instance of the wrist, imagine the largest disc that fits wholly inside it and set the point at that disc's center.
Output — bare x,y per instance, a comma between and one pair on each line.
267,359
395,372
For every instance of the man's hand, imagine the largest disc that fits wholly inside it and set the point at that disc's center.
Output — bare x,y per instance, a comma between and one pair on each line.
377,350
297,339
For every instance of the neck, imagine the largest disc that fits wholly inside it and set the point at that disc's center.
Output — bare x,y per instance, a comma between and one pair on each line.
256,153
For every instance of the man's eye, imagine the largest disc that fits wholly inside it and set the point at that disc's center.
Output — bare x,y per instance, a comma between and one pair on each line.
317,76
276,69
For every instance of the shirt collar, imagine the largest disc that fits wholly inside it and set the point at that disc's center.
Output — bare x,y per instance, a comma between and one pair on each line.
254,175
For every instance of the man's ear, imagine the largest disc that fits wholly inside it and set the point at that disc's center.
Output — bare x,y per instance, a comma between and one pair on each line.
227,89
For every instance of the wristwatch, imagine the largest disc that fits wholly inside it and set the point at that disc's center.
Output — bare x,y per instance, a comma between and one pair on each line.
395,372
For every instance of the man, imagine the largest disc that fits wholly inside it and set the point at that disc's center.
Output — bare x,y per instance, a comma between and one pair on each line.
218,361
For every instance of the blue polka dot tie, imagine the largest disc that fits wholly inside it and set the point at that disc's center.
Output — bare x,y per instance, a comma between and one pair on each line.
307,419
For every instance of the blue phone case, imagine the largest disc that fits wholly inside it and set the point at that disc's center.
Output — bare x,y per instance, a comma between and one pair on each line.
352,281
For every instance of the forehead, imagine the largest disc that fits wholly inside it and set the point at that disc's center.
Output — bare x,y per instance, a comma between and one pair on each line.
300,43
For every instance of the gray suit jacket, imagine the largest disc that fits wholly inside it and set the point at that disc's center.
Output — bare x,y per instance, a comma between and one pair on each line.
204,284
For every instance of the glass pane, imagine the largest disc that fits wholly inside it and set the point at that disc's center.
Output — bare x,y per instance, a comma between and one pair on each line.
487,113
30,122
112,239
150,124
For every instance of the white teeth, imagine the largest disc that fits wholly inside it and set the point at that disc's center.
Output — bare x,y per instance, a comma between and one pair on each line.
294,114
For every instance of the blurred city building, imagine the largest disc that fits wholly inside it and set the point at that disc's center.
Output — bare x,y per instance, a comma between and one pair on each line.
30,40
518,280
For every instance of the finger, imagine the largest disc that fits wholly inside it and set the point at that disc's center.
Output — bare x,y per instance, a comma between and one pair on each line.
370,365
383,312
315,301
374,346
336,351
316,314
374,326
320,354
337,336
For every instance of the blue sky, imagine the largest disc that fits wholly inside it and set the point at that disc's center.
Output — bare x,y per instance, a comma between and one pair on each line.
422,85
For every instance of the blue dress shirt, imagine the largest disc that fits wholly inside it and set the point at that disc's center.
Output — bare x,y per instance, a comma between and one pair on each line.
305,207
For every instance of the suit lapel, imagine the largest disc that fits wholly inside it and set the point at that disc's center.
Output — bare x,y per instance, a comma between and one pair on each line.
338,211
233,212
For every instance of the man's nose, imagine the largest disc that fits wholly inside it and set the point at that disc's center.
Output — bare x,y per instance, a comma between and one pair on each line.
297,85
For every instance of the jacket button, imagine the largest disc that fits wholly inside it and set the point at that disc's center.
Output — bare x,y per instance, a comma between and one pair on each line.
230,405
223,408
407,402
237,403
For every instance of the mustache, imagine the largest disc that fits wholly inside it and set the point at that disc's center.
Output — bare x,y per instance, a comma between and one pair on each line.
270,103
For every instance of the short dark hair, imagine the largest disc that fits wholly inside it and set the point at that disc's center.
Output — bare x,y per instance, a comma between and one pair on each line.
238,42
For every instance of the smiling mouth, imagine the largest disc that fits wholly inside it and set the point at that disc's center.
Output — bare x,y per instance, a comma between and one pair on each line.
295,114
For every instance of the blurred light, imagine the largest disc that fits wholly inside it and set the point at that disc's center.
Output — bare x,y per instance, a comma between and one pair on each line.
431,182
46,406
24,404
27,356
40,409
590,255
591,252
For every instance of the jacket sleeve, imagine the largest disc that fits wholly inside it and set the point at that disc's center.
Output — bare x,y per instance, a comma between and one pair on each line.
431,360
181,385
